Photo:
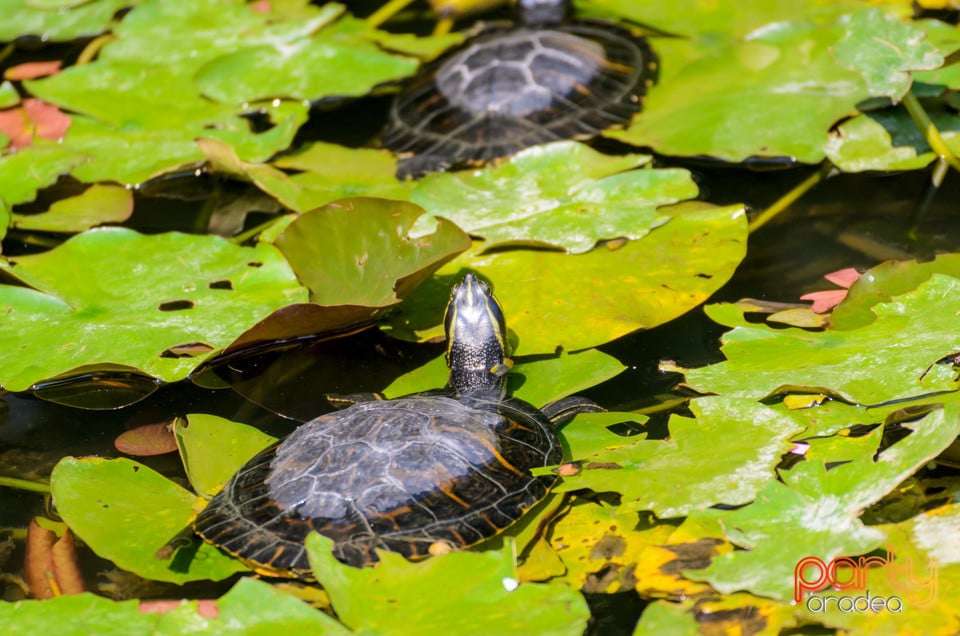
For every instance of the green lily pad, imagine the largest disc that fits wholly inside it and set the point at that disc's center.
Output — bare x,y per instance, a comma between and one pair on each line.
818,511
138,109
600,545
731,105
63,321
424,47
883,50
126,512
893,357
946,37
578,301
562,194
889,140
589,434
358,251
536,381
664,617
831,417
337,61
213,449
98,204
692,543
929,546
885,281
58,23
85,613
142,121
727,454
237,53
434,595
250,607
30,169
186,34
9,96
726,17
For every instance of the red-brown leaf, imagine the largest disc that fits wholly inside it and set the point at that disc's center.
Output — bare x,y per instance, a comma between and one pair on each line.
147,440
824,301
49,122
15,125
205,607
843,277
33,118
32,70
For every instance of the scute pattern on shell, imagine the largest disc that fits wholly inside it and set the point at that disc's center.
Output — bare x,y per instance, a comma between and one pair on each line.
509,89
395,475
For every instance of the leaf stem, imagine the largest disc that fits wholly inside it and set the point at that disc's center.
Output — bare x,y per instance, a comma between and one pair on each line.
443,26
201,224
243,237
781,204
923,122
386,12
92,48
25,484
937,175
31,238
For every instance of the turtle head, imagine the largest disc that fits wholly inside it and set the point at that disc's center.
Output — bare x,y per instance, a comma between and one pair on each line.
476,338
543,13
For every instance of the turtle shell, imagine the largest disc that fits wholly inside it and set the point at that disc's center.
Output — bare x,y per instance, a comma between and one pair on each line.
398,475
508,89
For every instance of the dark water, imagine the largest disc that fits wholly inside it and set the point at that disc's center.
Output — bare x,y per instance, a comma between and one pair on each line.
848,221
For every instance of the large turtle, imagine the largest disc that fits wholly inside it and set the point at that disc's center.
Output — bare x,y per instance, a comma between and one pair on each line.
512,87
443,468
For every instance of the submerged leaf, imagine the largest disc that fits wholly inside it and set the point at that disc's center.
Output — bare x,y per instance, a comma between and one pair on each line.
324,172
25,172
98,204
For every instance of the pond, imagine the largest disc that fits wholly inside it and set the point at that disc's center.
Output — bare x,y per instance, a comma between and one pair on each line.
209,250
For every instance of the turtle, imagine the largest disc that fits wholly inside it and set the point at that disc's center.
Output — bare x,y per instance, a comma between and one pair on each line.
445,468
515,86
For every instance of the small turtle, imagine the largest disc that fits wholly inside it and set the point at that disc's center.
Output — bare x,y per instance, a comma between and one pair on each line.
419,474
512,87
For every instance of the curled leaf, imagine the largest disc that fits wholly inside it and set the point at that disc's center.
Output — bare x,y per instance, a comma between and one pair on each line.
50,565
